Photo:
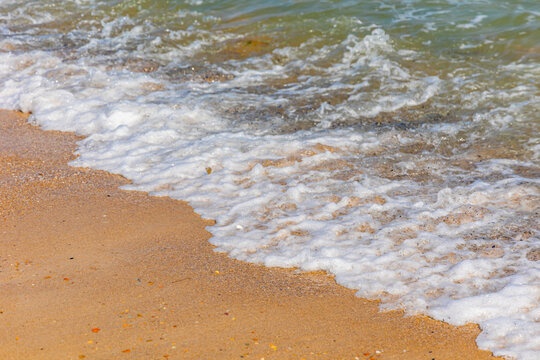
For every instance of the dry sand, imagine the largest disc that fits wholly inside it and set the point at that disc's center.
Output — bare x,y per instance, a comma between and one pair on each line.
88,271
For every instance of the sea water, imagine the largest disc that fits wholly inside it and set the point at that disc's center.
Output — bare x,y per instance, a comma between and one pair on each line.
393,144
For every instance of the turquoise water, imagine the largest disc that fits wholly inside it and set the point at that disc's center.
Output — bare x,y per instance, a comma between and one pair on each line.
393,144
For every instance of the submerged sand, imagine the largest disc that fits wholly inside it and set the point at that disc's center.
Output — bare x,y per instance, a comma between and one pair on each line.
88,271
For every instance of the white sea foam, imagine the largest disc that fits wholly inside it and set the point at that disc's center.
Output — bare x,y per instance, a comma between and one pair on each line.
474,22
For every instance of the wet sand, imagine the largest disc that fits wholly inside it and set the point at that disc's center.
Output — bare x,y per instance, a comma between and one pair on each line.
88,271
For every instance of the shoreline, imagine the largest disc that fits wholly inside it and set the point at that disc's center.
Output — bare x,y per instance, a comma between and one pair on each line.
89,271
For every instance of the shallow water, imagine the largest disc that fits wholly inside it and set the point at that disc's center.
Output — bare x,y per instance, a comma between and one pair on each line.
395,145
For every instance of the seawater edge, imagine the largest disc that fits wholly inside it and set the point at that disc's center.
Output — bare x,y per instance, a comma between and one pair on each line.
124,273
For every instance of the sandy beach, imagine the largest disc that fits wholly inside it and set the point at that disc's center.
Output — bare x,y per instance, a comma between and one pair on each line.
88,271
